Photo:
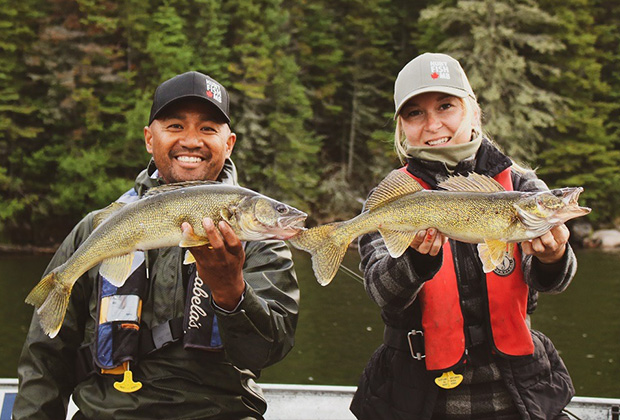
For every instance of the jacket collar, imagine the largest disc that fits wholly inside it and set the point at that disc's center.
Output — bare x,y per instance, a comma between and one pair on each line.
489,160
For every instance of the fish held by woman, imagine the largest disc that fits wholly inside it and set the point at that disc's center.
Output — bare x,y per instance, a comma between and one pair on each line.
155,222
474,209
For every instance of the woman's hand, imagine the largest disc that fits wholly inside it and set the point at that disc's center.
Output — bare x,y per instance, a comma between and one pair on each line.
550,247
428,241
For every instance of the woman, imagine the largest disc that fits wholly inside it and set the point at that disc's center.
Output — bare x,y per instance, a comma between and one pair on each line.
437,292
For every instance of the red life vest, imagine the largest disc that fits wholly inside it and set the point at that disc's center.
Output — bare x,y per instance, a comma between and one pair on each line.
442,318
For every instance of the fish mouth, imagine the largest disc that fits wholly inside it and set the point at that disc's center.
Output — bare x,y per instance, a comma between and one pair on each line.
289,226
570,197
294,221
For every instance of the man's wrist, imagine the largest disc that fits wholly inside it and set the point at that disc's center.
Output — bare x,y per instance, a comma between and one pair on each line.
228,304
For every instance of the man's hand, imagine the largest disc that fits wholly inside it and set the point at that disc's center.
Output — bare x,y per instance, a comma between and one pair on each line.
428,241
220,263
550,247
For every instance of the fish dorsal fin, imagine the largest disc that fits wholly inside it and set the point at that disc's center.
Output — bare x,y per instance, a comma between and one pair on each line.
176,186
472,183
117,269
395,185
107,212
397,242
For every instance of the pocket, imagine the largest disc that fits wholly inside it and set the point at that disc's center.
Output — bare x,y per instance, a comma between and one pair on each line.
530,370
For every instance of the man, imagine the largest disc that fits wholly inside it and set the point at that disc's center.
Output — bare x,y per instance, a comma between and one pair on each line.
177,341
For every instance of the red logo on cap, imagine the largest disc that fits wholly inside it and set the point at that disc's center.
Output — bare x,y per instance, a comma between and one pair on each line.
209,94
434,75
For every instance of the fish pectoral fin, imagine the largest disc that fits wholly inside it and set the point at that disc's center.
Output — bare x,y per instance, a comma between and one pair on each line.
117,269
189,258
226,214
396,241
536,226
396,184
191,239
492,253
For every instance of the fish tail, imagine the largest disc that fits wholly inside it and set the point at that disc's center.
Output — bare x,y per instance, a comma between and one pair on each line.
51,298
41,291
327,249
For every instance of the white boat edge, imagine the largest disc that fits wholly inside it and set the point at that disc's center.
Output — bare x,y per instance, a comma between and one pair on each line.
331,402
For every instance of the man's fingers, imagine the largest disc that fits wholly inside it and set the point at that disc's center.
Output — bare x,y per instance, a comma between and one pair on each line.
231,240
186,227
214,237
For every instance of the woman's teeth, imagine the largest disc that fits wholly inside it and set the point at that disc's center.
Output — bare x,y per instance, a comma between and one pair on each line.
438,141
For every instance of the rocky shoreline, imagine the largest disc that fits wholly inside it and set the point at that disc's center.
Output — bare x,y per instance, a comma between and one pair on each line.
26,249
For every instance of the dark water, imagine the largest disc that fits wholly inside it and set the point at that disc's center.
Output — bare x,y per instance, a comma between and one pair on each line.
339,327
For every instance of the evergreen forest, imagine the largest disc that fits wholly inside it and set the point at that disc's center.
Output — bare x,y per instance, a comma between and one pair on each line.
311,84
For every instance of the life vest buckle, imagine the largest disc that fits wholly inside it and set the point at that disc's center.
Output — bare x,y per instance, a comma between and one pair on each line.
415,339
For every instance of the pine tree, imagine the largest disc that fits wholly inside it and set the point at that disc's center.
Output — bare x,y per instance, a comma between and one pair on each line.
18,122
583,148
500,44
81,93
275,151
347,52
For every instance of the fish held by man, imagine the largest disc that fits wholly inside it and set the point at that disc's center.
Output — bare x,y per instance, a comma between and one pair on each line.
155,222
473,209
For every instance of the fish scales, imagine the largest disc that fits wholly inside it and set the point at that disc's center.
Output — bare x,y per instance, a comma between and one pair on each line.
463,216
155,222
474,209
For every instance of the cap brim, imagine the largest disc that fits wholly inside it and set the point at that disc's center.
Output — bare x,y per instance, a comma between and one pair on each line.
191,95
441,89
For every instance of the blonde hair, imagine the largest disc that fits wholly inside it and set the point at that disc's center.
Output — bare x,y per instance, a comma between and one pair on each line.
471,121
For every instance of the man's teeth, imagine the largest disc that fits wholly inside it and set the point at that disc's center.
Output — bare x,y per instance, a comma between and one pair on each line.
189,159
438,141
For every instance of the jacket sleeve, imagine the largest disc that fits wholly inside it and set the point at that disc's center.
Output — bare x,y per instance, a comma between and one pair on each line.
46,368
261,331
549,278
393,283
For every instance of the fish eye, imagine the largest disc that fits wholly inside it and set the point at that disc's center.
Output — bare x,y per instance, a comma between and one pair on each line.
281,208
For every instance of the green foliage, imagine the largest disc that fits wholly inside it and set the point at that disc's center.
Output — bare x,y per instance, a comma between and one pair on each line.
311,93
582,148
500,44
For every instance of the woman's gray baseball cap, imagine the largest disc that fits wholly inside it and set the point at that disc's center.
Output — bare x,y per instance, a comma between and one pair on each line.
430,72
190,85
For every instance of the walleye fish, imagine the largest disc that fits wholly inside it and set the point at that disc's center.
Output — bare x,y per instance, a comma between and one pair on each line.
473,209
155,222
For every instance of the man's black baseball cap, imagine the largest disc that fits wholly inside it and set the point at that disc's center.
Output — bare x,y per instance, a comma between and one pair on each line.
190,85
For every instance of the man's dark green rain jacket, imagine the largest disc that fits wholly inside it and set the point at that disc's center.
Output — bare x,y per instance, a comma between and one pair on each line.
177,383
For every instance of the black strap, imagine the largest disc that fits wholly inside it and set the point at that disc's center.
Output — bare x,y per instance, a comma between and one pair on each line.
160,335
411,341
476,336
150,340
84,366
